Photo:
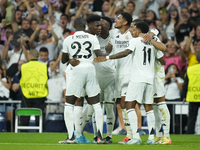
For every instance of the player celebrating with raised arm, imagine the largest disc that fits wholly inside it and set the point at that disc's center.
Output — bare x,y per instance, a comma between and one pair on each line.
140,88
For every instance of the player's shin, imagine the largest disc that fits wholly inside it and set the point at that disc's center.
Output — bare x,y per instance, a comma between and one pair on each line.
151,124
158,121
78,120
87,114
110,118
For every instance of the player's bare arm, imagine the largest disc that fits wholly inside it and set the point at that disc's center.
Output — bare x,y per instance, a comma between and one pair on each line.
65,57
116,56
162,60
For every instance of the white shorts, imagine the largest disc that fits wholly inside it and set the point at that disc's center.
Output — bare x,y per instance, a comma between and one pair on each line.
159,89
107,86
82,77
141,92
121,85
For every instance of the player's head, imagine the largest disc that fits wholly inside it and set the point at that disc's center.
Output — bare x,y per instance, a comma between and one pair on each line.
197,46
123,19
106,24
66,32
79,24
139,27
94,24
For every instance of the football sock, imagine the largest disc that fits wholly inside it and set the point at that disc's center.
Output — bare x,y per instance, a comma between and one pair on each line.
94,125
127,124
158,121
165,117
132,116
98,118
110,118
69,119
78,120
87,114
151,124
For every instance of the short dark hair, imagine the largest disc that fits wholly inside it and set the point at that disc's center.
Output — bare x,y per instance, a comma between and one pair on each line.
44,49
65,16
66,30
143,26
79,23
92,18
137,20
131,3
126,16
34,20
197,41
108,20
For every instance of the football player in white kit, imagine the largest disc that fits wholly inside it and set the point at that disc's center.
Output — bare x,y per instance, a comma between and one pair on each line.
140,88
82,46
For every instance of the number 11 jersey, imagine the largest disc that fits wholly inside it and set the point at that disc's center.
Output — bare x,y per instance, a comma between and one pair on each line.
144,55
81,45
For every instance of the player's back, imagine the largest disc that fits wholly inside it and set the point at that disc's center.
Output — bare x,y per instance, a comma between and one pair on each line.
81,45
143,61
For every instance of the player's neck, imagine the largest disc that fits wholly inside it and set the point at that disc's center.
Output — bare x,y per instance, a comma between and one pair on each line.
104,35
124,29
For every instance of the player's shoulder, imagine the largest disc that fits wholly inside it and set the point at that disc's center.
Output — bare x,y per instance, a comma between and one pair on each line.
114,33
155,38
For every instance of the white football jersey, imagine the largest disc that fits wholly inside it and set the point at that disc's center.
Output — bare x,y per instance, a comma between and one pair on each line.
107,68
121,42
81,45
144,54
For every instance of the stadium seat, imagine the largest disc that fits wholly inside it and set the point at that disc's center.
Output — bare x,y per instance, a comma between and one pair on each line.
28,112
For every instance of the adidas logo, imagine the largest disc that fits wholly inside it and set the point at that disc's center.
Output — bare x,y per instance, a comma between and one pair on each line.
80,124
124,93
117,36
110,123
127,124
109,118
155,94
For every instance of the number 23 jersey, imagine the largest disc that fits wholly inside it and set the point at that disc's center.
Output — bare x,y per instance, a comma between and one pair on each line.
81,45
144,55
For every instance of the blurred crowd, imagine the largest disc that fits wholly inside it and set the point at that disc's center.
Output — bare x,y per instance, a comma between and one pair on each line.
43,25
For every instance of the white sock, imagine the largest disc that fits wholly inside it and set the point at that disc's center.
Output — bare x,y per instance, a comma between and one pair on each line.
94,125
165,116
151,124
69,119
87,114
127,123
98,118
158,121
110,118
78,120
132,116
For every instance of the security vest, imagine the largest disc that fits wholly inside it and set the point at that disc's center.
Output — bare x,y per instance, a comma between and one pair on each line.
193,92
33,80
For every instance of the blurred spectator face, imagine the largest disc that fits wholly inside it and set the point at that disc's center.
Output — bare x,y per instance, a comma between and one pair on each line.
66,34
197,46
198,31
20,64
72,20
9,32
18,16
46,22
173,14
43,34
26,25
171,48
43,56
185,13
63,21
105,6
95,27
150,15
119,22
78,3
34,24
130,8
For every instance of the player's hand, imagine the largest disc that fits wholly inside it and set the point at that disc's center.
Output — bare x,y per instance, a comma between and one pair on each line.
99,59
147,38
74,62
109,48
192,33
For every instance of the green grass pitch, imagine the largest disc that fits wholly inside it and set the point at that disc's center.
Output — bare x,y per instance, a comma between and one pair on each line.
49,141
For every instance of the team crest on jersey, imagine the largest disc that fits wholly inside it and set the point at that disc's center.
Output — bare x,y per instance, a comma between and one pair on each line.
127,38
110,42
